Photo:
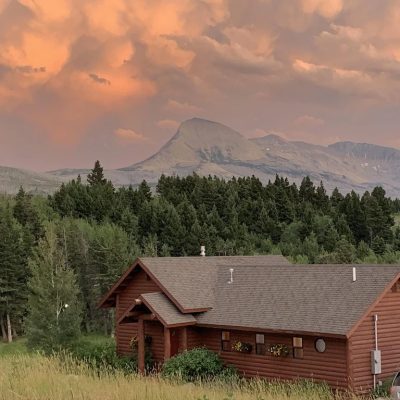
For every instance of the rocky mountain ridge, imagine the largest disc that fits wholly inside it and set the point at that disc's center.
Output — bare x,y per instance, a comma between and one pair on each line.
210,148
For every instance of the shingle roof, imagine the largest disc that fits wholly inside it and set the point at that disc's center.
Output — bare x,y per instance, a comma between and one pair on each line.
306,298
165,310
267,292
191,280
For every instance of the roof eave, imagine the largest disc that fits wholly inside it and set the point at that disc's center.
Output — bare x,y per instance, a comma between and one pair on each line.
277,331
372,306
162,320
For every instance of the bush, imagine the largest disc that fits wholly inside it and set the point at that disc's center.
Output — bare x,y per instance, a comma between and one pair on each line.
193,365
103,354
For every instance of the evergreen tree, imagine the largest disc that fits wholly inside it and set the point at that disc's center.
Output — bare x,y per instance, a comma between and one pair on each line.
96,177
307,190
13,270
174,233
143,193
378,245
54,316
321,198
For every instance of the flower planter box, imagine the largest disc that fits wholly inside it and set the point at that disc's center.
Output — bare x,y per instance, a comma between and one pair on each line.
242,347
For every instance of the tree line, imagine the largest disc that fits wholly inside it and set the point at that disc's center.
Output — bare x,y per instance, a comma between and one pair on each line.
59,255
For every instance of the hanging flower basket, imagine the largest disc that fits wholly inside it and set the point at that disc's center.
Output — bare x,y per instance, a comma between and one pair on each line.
135,341
242,347
279,350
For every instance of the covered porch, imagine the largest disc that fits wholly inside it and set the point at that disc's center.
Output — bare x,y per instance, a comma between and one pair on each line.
158,307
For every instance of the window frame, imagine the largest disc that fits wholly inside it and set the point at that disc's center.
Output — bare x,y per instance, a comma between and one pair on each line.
227,341
261,348
298,348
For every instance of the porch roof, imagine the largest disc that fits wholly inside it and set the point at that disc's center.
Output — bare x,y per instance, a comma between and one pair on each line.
166,311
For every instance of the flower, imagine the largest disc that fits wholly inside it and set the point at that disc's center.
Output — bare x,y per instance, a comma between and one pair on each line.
279,350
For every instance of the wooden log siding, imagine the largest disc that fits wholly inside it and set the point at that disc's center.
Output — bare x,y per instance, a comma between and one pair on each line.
139,285
330,366
363,342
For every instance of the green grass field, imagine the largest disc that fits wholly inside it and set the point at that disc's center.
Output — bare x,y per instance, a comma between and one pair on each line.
18,347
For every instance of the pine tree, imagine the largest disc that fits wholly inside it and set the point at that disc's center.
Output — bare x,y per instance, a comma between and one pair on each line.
321,198
378,245
143,193
13,269
96,177
374,218
283,206
174,233
54,316
307,190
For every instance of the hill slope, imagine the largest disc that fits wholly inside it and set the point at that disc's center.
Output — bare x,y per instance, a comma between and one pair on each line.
11,179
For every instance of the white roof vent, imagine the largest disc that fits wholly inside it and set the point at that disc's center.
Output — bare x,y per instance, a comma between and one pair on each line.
231,271
354,274
203,251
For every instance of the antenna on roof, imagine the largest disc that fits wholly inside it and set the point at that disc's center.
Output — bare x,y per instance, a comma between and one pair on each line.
231,271
354,274
203,251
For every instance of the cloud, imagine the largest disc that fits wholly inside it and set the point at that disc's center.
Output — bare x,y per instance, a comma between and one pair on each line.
175,107
68,67
129,136
168,124
326,8
96,78
309,121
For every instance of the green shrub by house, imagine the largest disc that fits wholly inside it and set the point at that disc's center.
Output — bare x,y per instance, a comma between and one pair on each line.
193,365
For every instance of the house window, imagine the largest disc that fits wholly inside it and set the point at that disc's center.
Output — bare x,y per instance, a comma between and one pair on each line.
298,347
260,345
226,341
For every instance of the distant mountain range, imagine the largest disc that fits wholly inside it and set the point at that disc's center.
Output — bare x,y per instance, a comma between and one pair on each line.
210,148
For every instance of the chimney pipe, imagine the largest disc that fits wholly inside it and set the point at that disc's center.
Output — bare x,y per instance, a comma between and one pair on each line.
231,271
203,251
354,274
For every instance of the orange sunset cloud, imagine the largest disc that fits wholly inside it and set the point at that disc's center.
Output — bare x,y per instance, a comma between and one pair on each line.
71,71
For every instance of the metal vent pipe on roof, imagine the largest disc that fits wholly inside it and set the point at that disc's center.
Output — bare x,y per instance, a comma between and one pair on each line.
203,251
231,271
354,274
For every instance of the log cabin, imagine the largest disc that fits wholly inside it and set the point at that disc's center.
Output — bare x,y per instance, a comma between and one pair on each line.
267,317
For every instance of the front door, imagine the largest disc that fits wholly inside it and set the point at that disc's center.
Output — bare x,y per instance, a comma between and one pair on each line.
175,336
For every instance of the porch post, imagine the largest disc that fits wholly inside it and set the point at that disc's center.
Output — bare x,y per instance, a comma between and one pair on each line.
167,343
141,350
184,339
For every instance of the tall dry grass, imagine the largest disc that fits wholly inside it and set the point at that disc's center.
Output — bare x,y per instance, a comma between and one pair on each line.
52,378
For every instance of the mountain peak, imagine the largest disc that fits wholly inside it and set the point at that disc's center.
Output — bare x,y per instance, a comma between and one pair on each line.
200,141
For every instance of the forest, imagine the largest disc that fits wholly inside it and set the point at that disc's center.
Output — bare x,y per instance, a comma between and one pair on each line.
59,255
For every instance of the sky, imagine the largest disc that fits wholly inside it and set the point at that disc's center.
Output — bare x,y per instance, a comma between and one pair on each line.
82,80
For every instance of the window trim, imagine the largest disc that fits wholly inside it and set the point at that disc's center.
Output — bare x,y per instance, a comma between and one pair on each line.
301,348
262,346
223,341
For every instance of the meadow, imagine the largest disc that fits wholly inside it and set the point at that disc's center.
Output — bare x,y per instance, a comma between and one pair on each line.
24,375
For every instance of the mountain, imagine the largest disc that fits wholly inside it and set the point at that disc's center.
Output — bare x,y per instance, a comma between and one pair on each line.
11,179
198,142
210,148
